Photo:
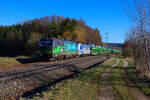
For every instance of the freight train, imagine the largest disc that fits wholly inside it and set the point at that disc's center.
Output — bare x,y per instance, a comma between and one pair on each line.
60,49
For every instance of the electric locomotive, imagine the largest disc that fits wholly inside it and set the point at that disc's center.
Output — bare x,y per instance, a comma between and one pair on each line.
58,48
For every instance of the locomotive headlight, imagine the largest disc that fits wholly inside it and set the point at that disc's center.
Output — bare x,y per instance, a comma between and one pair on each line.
61,50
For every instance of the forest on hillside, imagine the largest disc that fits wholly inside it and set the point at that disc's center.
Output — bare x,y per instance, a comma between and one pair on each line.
23,39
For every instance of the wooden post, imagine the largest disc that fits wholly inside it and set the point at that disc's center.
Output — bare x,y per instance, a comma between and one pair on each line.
146,49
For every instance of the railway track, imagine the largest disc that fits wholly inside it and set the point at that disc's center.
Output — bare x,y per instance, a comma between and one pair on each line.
48,67
14,83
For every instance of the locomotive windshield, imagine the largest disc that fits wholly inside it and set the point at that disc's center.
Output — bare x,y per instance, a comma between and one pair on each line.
44,45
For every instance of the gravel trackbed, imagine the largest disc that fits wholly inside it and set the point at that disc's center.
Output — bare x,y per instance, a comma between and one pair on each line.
14,83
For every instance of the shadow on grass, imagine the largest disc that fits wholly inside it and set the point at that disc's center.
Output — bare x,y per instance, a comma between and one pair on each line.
30,60
143,83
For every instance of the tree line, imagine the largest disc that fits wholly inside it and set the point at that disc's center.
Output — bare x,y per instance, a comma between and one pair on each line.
23,38
137,44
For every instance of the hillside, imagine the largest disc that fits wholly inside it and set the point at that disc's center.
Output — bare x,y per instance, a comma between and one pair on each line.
23,39
115,45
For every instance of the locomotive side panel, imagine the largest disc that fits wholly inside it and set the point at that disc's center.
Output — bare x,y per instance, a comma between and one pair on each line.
80,49
86,49
71,48
58,48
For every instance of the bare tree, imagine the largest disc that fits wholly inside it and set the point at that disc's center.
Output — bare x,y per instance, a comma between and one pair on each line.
139,12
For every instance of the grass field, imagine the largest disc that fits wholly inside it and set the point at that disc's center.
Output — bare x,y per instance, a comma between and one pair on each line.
5,61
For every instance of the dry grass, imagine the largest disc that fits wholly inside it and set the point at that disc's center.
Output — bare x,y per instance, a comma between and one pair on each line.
8,61
130,60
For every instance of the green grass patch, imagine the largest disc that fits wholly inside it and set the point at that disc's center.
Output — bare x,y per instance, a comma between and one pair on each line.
119,84
83,86
118,56
8,61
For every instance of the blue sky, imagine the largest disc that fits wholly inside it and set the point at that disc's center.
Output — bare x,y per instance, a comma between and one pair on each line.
106,15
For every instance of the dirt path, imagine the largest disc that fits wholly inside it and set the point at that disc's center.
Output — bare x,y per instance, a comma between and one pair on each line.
135,92
105,90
